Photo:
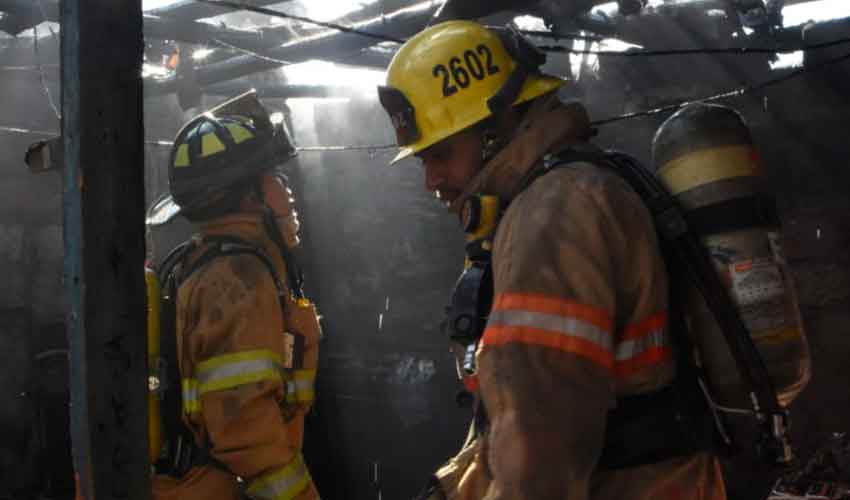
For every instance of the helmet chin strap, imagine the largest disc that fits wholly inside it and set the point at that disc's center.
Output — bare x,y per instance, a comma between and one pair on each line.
492,143
295,277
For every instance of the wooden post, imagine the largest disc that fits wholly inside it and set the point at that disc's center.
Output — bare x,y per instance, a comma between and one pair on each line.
103,208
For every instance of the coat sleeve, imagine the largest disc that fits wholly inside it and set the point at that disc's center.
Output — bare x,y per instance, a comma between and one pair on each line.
234,341
546,362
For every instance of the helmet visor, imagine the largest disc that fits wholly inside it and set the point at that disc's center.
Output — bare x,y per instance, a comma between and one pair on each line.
162,211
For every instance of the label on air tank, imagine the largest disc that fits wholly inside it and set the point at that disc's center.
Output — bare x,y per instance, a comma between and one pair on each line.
759,292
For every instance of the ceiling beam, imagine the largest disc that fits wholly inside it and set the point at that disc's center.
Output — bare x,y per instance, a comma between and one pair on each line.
191,10
323,45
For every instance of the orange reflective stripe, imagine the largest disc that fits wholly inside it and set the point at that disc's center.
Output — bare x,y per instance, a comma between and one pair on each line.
653,323
552,322
500,335
554,305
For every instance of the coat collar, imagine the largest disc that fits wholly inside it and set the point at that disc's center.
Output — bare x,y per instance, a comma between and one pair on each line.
549,126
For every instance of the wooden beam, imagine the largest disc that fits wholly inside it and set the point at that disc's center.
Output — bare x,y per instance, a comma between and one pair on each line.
103,206
401,23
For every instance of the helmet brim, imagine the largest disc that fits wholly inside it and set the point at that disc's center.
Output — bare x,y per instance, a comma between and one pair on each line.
535,86
162,211
403,153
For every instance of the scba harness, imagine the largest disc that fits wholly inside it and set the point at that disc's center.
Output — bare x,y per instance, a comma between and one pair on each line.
179,396
678,420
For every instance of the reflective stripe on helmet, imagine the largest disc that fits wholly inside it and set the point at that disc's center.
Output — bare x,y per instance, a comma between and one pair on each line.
210,145
181,157
238,132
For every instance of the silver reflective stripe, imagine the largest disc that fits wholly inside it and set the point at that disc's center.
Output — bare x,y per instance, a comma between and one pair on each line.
299,390
628,349
283,484
236,373
571,327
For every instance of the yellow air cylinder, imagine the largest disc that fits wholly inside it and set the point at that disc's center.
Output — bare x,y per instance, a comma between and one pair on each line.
704,154
154,417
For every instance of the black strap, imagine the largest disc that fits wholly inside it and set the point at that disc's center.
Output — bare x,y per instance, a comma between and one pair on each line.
181,451
228,246
175,457
732,215
294,276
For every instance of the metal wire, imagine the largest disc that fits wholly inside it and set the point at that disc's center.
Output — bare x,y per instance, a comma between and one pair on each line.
628,116
25,131
34,67
741,51
251,53
310,149
366,147
547,34
557,36
41,73
728,94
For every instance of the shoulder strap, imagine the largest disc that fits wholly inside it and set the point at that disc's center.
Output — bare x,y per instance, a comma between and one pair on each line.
181,452
691,257
223,246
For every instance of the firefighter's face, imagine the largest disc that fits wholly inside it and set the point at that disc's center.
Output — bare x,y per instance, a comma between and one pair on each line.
278,197
451,164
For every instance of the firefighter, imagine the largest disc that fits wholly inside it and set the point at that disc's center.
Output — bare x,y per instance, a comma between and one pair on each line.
574,368
247,339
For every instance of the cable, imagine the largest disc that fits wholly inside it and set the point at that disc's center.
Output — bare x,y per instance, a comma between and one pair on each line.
707,51
639,114
34,67
546,34
731,93
24,131
251,53
368,147
556,36
41,74
167,144
276,13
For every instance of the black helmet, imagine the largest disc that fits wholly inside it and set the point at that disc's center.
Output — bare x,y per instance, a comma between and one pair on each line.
213,152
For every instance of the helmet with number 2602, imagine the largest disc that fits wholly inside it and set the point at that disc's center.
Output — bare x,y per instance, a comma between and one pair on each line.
448,77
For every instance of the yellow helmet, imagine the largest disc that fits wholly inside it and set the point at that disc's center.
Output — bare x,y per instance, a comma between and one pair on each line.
455,74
